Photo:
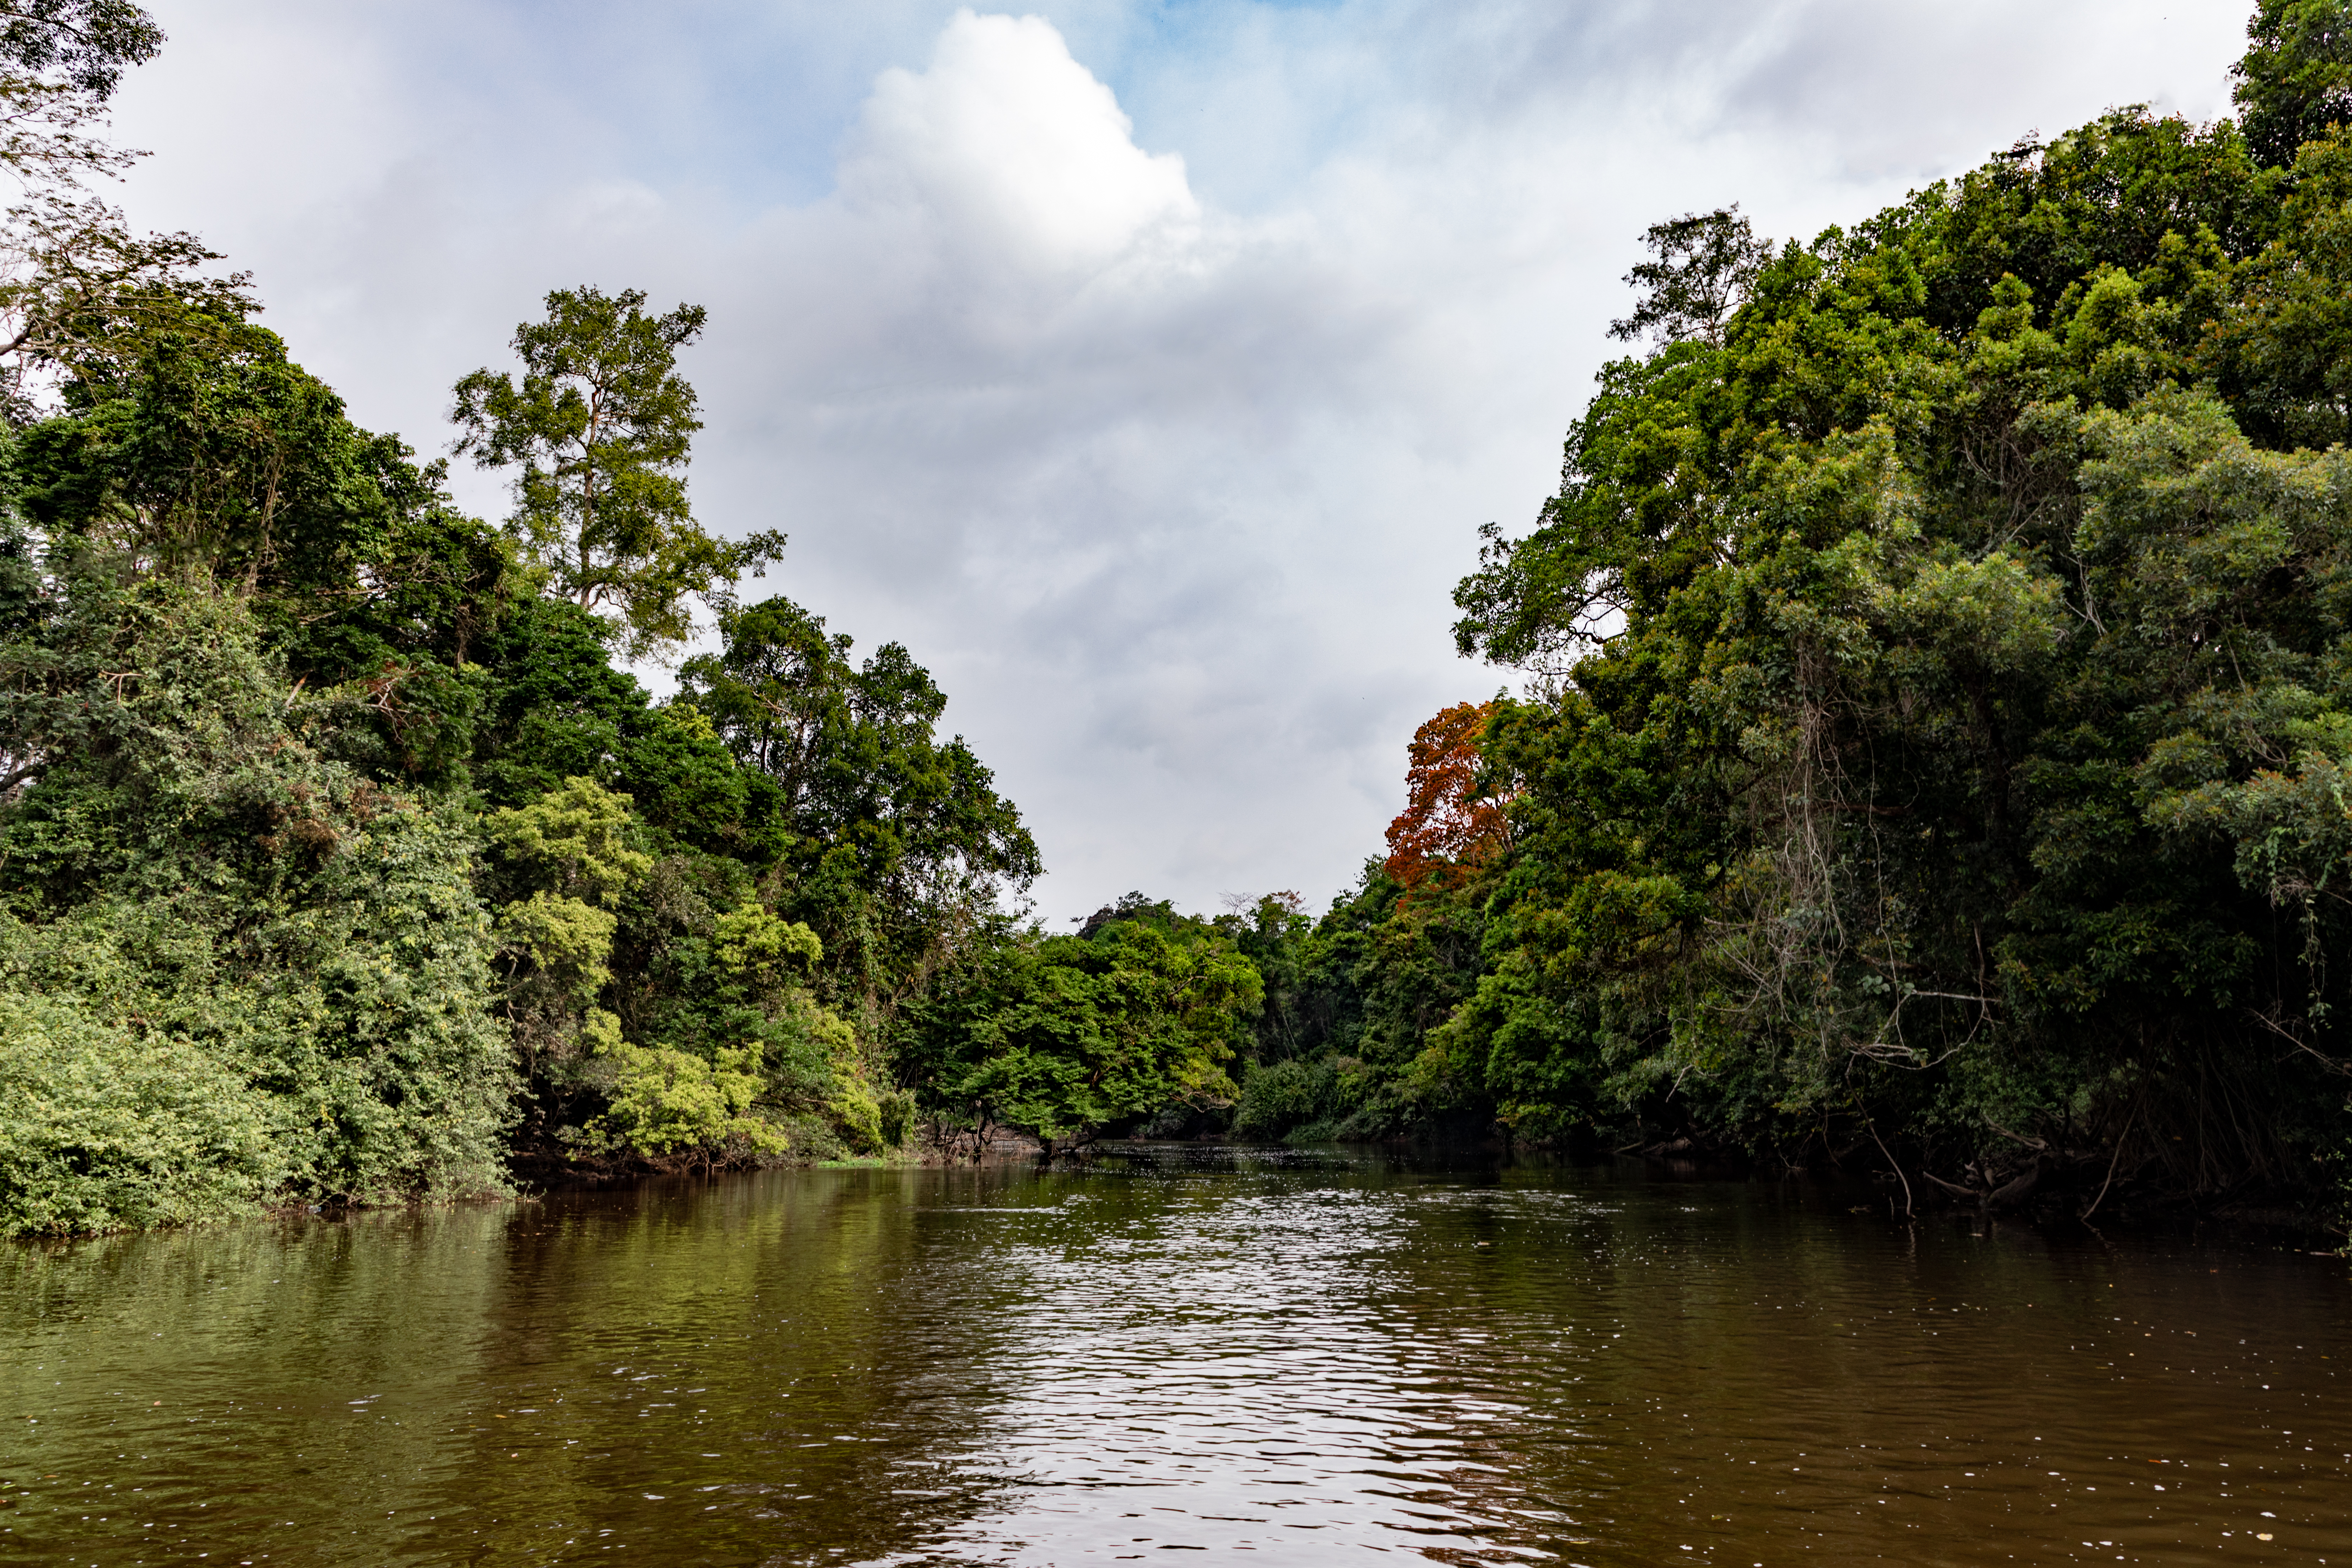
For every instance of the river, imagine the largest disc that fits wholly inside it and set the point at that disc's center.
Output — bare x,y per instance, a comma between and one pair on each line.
1313,1357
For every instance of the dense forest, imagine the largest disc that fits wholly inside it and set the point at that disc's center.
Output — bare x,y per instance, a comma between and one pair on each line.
1930,757
342,859
1934,756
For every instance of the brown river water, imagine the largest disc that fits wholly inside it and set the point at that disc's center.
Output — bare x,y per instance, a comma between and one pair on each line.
1266,1356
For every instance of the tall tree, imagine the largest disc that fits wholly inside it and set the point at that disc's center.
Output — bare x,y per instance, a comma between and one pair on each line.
2295,79
602,425
890,835
1450,825
1702,265
82,45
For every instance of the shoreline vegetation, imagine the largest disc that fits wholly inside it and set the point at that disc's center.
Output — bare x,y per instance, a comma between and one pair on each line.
1929,760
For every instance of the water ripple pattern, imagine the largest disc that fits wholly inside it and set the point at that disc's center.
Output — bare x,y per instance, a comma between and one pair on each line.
1250,1355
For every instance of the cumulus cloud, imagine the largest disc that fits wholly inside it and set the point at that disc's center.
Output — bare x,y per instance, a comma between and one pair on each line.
1146,369
1107,423
1008,139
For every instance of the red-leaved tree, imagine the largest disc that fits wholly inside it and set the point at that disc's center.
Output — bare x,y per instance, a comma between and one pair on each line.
1446,830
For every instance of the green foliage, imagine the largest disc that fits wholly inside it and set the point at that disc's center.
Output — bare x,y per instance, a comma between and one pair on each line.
756,948
197,444
886,840
189,443
570,840
319,815
1062,1037
558,867
1940,701
1302,1101
85,44
102,1129
554,708
2296,81
601,424
1938,740
194,871
565,940
666,1099
1702,265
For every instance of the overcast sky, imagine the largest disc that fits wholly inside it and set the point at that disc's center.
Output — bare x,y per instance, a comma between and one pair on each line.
1146,369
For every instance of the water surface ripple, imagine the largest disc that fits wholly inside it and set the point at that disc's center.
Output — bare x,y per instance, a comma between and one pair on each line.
1307,1358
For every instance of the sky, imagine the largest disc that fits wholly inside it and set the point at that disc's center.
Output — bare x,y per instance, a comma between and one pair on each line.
1146,369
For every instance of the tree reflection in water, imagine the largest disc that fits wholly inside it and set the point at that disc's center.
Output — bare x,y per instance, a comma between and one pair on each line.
1305,1354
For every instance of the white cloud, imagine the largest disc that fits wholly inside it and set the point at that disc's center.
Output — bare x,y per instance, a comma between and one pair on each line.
1008,136
1157,422
1109,450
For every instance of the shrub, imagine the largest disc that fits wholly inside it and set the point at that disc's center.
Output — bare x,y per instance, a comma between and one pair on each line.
102,1128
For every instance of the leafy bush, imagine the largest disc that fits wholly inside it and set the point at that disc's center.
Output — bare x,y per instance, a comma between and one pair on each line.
665,1100
196,870
103,1129
1277,1098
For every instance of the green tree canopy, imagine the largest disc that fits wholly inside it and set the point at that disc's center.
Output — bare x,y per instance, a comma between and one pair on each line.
2296,80
601,424
82,45
1061,1037
890,835
1700,269
1944,667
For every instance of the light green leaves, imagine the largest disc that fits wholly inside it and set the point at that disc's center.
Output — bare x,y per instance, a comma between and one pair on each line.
574,839
103,1126
570,847
567,940
666,1099
761,949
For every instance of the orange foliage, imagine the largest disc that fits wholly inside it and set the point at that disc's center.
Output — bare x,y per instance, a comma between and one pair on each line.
1445,829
